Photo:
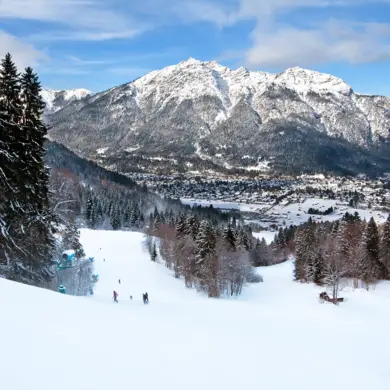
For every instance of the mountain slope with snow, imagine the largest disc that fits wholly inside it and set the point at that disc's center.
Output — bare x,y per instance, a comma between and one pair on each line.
276,335
233,118
56,100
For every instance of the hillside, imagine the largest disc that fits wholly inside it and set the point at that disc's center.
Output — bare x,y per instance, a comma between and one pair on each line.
204,115
56,100
279,336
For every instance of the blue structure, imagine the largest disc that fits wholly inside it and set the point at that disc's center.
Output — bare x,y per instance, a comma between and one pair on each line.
62,289
95,278
91,259
68,259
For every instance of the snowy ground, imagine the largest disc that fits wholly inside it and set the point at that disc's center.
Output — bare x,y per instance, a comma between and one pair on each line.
266,234
292,214
276,336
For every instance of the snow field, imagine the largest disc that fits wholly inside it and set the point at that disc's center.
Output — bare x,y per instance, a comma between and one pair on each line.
294,213
275,336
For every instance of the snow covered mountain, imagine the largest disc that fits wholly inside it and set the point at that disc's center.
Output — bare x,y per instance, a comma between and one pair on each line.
205,112
55,100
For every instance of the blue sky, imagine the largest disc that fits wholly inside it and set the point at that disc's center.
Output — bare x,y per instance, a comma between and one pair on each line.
97,44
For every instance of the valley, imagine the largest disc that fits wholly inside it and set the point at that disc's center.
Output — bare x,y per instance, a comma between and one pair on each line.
271,203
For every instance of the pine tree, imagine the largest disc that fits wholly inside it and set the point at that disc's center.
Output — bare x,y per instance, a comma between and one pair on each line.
229,237
180,226
153,253
260,254
319,268
206,240
280,238
36,180
24,180
385,247
371,267
90,212
71,238
11,142
115,217
192,224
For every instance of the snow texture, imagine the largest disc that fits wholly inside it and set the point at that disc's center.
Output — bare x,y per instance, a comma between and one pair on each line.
56,100
294,213
275,336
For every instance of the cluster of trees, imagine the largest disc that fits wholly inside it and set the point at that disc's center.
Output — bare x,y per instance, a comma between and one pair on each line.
213,258
313,210
105,211
26,218
263,254
330,252
104,199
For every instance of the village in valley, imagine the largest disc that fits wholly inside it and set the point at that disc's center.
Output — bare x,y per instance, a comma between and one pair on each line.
269,203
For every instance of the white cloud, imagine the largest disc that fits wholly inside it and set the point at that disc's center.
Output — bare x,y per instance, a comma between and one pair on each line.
276,45
333,41
272,44
74,19
23,54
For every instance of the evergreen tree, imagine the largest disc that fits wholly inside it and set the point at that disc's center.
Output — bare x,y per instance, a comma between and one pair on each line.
206,240
24,180
11,142
192,225
36,180
71,238
153,253
181,226
260,254
90,211
115,217
385,247
371,267
300,259
229,237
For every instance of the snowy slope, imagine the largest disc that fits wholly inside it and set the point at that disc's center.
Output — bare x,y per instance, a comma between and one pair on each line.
56,100
276,336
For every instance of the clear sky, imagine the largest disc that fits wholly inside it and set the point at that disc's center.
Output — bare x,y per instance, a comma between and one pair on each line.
97,44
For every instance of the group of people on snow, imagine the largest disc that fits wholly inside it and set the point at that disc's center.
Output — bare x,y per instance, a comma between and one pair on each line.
145,297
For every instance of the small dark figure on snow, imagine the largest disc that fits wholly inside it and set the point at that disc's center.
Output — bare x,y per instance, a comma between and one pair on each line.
119,281
131,297
145,298
115,296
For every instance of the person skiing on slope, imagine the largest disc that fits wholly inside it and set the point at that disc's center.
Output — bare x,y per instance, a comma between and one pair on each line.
115,296
146,298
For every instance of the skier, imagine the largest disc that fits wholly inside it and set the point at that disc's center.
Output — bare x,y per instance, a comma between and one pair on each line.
131,297
145,298
119,281
115,296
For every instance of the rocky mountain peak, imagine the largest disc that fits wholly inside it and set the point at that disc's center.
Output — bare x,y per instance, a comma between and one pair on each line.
207,111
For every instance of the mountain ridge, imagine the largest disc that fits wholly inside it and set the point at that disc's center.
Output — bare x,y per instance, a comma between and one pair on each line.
206,111
55,100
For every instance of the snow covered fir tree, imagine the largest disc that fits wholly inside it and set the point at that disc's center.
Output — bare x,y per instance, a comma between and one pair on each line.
27,241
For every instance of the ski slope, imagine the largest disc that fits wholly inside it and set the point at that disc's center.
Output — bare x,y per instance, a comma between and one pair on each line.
276,336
